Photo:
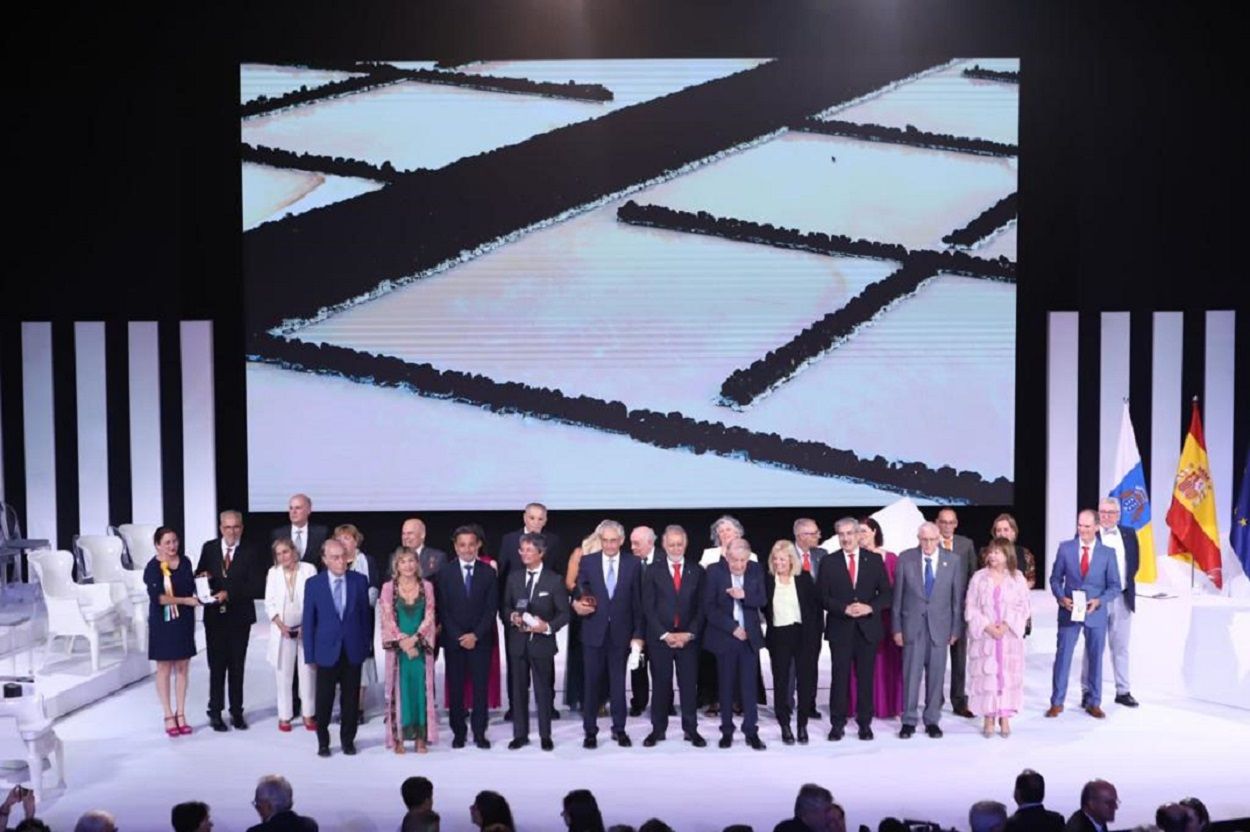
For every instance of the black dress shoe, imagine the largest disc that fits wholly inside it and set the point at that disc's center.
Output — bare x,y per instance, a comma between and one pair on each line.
963,711
590,742
933,731
814,714
672,711
349,749
755,742
622,739
802,735
546,744
458,742
482,743
636,710
1127,700
787,736
323,751
217,723
555,714
361,719
836,733
906,732
737,709
865,733
239,722
696,739
518,742
507,715
652,739
725,742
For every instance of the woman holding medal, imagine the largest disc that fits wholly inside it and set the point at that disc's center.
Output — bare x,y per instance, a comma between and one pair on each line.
284,607
406,616
171,624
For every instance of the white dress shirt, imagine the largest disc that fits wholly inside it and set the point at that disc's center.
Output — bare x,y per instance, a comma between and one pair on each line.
1112,538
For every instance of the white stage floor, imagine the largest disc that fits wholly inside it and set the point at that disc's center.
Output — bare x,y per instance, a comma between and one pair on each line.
118,758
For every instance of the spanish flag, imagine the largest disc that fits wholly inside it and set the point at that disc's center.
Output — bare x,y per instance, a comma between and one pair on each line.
1194,534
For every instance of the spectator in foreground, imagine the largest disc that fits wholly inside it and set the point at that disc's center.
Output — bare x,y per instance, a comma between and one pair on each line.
987,816
274,802
812,809
429,822
581,812
418,795
1176,817
97,820
1031,815
191,816
654,825
490,811
1098,804
16,795
1204,817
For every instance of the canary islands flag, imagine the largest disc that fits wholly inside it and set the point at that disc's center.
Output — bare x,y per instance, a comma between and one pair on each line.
1195,533
1130,490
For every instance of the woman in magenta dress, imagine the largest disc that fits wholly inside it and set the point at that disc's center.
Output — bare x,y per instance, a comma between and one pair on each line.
887,682
492,685
997,610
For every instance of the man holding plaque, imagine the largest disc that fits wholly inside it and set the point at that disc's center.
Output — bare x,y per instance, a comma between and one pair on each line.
233,574
1085,581
535,607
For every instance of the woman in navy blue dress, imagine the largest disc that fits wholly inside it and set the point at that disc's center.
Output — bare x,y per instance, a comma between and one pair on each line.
171,624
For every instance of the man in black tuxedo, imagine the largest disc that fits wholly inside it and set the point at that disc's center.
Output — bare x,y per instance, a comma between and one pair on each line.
947,521
306,536
535,607
1031,815
853,588
467,602
672,603
412,535
236,578
533,521
733,595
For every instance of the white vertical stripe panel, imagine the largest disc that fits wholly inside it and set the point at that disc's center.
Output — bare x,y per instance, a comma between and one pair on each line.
1062,377
1,444
145,424
40,432
1217,421
93,459
199,448
1165,421
1113,364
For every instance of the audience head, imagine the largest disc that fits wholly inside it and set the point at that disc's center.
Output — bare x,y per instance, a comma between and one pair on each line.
1030,787
97,820
784,559
298,508
418,793
491,809
738,555
334,556
870,534
1177,817
421,822
1005,526
621,827
674,541
32,824
739,827
467,543
891,825
581,812
412,533
1204,817
642,541
725,529
847,529
987,816
811,806
806,533
535,518
611,536
191,816
1099,799
654,825
273,795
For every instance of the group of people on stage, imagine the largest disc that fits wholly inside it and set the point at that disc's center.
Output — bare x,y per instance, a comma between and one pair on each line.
341,621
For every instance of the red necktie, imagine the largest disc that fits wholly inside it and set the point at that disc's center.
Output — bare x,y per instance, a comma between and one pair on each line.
807,561
1084,561
229,557
676,590
850,567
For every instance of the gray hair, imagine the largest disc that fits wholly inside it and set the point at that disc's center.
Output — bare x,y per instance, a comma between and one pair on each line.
535,539
97,820
930,525
800,522
674,529
739,542
731,520
610,524
275,791
1114,502
237,515
987,816
845,521
812,798
649,531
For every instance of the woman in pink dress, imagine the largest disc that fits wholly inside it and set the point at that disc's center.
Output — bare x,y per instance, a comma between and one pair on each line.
887,681
997,610
406,617
493,699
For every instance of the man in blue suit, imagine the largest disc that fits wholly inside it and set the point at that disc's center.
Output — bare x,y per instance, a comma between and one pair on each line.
1123,541
733,596
611,627
468,599
338,627
1087,565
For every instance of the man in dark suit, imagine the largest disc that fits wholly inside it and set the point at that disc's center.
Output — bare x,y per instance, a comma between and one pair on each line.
642,542
273,801
814,811
338,629
611,627
236,578
306,536
672,603
467,602
412,535
733,596
533,521
535,607
1098,804
947,522
1123,541
853,588
1087,566
1031,815
807,542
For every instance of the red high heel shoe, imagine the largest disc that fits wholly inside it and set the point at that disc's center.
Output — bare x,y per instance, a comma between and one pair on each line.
172,731
183,727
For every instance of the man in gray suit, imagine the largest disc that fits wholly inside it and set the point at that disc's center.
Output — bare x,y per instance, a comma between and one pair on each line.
929,586
947,522
412,535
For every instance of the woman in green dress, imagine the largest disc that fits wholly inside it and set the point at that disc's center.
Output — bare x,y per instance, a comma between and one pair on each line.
406,616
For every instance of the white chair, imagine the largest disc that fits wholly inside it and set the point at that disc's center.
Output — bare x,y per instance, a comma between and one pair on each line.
74,610
104,556
138,537
26,735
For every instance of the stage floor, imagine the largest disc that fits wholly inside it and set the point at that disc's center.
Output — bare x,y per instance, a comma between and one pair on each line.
117,758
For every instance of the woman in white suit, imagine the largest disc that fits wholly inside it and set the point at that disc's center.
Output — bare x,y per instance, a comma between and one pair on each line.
284,606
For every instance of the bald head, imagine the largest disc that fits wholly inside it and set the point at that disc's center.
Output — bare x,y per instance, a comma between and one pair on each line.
412,533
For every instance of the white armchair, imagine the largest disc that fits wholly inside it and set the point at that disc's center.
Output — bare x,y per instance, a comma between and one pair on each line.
75,609
104,557
138,537
26,735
